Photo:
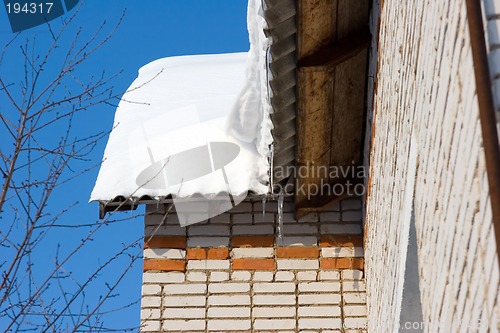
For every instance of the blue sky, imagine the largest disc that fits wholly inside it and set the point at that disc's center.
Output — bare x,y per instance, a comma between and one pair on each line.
150,30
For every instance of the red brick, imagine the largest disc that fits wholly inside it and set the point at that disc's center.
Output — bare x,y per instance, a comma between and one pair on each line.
165,242
297,252
254,264
252,241
342,263
218,253
164,265
196,253
341,240
212,253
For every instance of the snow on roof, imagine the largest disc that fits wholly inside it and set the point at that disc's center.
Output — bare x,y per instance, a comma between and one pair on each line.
177,105
193,125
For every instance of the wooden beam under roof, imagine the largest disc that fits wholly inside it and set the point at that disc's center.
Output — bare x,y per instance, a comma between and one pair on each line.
332,56
327,58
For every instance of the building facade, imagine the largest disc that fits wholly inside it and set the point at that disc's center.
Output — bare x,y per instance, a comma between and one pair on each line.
427,168
234,273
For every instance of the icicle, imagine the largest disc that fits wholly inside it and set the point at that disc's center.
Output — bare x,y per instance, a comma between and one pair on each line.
263,207
281,198
271,168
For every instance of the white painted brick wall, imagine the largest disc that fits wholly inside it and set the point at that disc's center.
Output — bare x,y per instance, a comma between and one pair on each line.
284,276
263,276
183,325
196,276
165,277
329,275
151,289
150,325
241,276
275,287
208,264
183,301
219,276
274,312
354,298
274,324
229,312
150,314
355,274
256,252
306,287
229,300
274,299
425,97
184,313
184,289
297,264
355,310
229,325
353,286
229,288
307,276
164,253
316,299
151,302
319,323
319,311
298,295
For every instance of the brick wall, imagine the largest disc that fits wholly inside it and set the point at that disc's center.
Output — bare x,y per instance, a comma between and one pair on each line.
232,273
426,152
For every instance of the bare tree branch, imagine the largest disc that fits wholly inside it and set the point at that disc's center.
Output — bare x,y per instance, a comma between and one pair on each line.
48,97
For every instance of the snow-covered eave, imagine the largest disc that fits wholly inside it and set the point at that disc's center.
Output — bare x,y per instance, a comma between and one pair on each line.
121,203
278,86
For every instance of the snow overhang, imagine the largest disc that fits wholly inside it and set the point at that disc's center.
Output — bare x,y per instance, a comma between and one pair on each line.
170,135
192,126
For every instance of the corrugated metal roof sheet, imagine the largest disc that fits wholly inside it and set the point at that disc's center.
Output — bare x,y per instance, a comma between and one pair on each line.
280,16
